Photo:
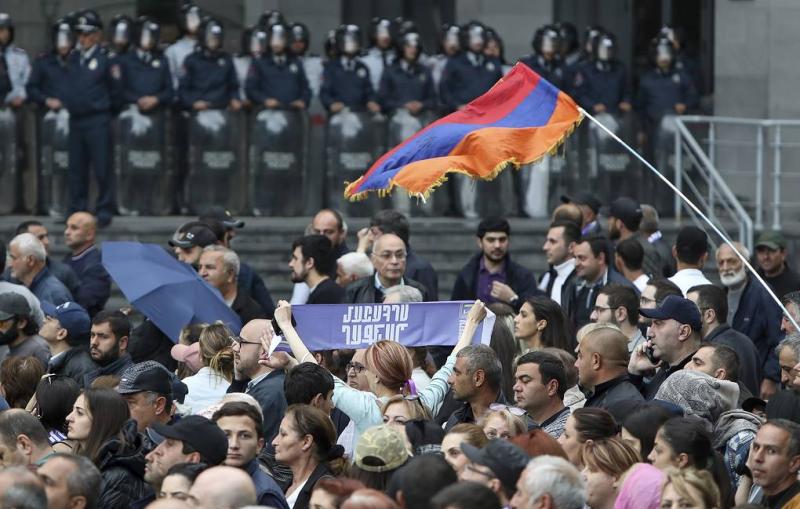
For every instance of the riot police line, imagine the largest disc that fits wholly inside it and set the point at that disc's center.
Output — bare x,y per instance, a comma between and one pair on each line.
235,130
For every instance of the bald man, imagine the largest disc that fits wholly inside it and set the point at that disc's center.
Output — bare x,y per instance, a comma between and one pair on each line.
602,363
262,382
752,312
223,488
331,224
389,258
95,283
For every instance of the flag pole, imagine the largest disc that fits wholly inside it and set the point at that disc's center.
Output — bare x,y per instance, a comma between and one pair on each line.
699,212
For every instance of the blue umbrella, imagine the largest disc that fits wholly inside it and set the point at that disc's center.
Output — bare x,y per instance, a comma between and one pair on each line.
168,292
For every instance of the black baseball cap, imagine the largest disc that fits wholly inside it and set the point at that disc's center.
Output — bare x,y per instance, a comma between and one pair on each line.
626,210
583,199
13,304
147,376
195,234
505,459
222,215
199,433
676,308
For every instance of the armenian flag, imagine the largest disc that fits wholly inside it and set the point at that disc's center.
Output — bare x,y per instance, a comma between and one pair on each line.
518,121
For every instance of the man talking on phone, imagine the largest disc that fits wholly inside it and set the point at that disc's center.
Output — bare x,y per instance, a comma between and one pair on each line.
672,339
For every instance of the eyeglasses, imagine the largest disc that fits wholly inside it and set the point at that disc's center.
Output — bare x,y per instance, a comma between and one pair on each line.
497,407
355,366
400,255
241,341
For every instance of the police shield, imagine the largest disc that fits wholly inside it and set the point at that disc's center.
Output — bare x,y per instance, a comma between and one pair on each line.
610,164
215,161
143,174
8,161
53,162
355,141
402,125
277,157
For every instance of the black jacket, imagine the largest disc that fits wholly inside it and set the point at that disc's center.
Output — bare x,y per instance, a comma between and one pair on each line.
247,308
363,291
115,368
148,343
749,366
577,306
326,292
613,391
759,318
423,272
121,463
649,389
304,497
75,363
520,279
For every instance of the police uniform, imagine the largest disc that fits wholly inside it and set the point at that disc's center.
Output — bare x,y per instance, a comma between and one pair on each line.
145,73
49,79
279,77
377,61
89,105
404,82
5,82
346,80
466,77
603,83
660,91
19,69
176,54
551,70
208,77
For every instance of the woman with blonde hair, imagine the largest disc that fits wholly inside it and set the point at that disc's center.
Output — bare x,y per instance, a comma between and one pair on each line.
211,382
605,462
689,487
399,409
502,423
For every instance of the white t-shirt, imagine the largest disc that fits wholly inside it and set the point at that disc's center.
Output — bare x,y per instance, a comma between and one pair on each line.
292,499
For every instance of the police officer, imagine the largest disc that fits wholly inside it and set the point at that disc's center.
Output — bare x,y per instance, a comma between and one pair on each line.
406,83
120,30
277,80
299,39
17,64
381,52
254,45
346,80
89,104
209,81
189,22
546,59
331,53
449,46
471,73
683,61
601,85
495,49
664,90
146,80
570,50
48,85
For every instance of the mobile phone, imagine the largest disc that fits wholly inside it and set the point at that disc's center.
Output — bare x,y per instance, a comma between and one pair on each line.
277,329
648,352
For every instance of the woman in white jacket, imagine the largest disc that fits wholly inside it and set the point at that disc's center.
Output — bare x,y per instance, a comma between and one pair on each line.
209,385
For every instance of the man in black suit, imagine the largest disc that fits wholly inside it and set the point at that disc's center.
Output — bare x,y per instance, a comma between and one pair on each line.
312,260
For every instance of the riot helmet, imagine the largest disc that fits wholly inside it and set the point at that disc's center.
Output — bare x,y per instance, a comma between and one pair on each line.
191,18
676,36
278,38
120,31
409,46
62,37
473,37
348,40
605,48
7,23
299,38
662,52
494,45
547,42
380,33
590,38
569,37
148,34
269,18
255,42
212,35
451,39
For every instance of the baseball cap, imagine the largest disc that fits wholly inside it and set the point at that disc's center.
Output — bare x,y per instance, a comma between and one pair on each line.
199,433
753,403
771,240
145,376
70,316
380,449
195,235
676,308
13,304
583,199
505,459
188,354
222,215
626,210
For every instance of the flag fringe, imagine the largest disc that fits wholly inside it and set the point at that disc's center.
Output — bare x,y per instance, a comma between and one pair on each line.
499,167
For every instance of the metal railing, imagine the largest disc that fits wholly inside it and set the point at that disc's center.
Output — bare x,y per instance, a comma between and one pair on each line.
700,181
752,156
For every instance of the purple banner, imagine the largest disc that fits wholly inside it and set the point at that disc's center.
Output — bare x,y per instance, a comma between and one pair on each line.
333,326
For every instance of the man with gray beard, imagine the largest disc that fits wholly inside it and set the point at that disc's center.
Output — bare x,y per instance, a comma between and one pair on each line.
752,312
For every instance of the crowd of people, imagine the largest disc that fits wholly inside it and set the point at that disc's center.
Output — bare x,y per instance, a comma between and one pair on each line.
134,74
620,378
